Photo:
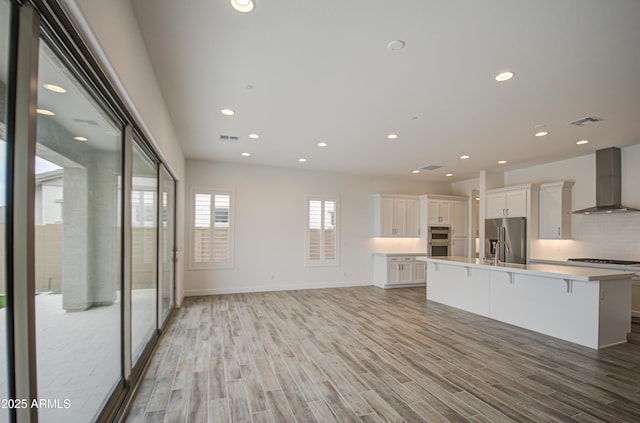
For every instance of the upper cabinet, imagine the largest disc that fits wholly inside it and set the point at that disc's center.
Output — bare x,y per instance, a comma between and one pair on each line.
446,210
396,215
555,210
438,211
507,202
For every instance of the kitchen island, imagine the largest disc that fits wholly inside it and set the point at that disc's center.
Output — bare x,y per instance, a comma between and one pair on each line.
587,306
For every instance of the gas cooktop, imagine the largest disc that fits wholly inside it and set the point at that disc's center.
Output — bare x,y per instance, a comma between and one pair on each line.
606,261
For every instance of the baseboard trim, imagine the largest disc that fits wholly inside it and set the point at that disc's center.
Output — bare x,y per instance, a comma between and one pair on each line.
248,289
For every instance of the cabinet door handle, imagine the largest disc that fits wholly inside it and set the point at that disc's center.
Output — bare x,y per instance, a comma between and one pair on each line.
503,211
558,230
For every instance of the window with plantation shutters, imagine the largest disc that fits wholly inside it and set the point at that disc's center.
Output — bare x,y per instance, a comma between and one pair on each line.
321,231
211,230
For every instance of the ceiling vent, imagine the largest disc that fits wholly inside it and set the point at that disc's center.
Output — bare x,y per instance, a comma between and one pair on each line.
430,167
586,120
228,138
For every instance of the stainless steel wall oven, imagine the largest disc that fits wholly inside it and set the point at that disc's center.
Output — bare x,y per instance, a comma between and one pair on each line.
439,241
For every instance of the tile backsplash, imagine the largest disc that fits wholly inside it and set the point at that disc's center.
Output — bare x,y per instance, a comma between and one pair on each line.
614,236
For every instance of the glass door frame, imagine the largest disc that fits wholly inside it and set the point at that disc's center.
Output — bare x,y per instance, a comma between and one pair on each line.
162,179
32,20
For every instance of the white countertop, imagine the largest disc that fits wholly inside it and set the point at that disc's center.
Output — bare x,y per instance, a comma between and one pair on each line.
401,254
609,266
538,269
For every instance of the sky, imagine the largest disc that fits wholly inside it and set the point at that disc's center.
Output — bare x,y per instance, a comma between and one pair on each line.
42,166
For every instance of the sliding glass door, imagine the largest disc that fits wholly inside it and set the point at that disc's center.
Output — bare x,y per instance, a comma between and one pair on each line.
144,248
87,229
77,245
4,68
167,243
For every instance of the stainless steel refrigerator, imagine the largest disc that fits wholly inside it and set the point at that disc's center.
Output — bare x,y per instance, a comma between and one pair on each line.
507,238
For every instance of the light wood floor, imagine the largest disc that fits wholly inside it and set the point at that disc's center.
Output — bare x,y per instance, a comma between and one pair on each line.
372,355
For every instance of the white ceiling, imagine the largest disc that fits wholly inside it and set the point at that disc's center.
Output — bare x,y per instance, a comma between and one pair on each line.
304,71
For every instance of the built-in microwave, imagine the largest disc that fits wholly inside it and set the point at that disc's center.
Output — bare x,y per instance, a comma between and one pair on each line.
439,241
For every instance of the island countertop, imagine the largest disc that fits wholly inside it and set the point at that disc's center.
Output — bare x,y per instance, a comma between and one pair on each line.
585,305
538,269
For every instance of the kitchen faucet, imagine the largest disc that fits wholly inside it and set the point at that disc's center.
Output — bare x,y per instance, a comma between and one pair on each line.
500,240
496,256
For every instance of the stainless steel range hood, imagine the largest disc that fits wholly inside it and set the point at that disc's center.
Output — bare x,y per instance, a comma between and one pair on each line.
608,184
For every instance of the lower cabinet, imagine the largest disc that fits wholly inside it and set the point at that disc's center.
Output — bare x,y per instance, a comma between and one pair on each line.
635,298
398,270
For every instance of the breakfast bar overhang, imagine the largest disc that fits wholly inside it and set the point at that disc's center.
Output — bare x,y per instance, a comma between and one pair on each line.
586,306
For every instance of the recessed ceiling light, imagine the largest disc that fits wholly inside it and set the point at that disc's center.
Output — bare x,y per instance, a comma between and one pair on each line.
502,161
449,174
582,142
81,138
254,136
302,160
415,171
322,144
243,6
541,130
55,88
45,112
504,76
245,154
464,156
392,136
227,112
396,45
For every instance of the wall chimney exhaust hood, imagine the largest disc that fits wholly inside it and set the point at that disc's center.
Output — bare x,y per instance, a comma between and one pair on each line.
608,184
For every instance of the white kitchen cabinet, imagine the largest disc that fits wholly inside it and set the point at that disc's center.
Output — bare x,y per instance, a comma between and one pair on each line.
413,217
459,219
458,247
419,271
451,211
398,270
447,210
555,210
438,212
396,216
506,203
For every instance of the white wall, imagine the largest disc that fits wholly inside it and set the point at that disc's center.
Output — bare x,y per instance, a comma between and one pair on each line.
269,226
111,31
465,187
602,235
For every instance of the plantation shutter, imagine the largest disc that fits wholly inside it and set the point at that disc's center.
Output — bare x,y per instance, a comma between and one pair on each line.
329,230
221,229
322,244
211,230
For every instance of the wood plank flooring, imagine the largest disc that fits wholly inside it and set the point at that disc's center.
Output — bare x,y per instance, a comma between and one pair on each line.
371,355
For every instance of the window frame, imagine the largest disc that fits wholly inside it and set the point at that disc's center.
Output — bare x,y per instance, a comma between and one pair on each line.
323,261
211,264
